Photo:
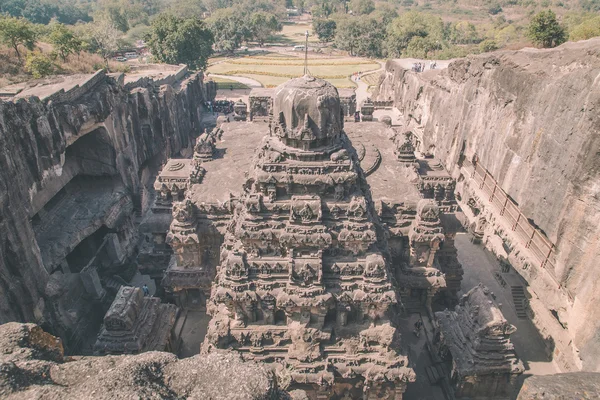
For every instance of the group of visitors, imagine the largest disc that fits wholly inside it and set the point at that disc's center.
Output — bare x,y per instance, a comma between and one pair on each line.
356,75
420,67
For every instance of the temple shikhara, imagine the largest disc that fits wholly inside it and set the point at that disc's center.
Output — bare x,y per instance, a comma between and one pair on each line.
305,241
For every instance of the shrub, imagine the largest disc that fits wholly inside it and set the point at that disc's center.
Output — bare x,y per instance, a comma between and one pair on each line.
488,45
39,65
495,9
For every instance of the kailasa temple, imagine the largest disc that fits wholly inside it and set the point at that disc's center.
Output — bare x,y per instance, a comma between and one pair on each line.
434,239
304,246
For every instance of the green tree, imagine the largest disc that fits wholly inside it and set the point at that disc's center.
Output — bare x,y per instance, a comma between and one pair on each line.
422,47
39,65
64,41
37,12
347,35
371,42
114,13
229,29
488,45
180,41
324,29
361,36
462,32
362,7
411,25
15,32
262,25
545,30
587,29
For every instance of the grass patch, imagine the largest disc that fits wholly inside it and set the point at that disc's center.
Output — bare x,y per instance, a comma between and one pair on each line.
223,83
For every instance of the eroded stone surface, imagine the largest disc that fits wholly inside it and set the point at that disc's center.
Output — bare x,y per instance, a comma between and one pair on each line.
530,117
32,366
75,167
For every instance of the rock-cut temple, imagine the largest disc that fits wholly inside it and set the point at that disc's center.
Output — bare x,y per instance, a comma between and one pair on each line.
305,242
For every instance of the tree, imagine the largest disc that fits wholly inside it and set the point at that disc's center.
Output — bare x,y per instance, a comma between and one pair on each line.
115,14
422,46
39,65
64,41
371,40
411,25
228,29
545,30
15,32
488,45
180,41
37,12
362,7
462,32
362,36
347,35
587,29
262,25
105,38
324,29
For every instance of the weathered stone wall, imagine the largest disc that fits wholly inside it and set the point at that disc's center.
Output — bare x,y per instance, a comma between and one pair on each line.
532,118
34,367
142,126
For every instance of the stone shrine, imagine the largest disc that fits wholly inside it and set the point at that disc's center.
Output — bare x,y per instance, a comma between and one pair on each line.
475,340
135,324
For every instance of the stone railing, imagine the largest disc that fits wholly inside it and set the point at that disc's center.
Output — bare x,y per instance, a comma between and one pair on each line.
77,91
540,247
167,80
171,79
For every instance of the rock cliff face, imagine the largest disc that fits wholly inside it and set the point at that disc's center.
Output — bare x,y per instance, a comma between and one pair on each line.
574,385
33,366
532,119
73,167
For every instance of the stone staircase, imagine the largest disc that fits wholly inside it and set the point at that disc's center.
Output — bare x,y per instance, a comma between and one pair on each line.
519,300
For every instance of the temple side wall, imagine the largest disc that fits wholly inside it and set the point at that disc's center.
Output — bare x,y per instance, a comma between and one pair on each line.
530,118
139,126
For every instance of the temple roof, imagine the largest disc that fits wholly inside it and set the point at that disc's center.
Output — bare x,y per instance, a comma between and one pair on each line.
308,109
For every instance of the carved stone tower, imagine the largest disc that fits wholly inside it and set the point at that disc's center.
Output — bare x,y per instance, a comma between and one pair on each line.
302,283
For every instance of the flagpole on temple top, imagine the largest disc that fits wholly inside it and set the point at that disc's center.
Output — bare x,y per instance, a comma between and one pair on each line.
306,54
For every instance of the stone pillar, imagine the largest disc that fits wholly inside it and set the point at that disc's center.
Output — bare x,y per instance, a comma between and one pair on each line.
91,283
113,248
399,390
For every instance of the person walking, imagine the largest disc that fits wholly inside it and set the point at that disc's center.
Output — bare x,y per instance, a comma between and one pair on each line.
146,290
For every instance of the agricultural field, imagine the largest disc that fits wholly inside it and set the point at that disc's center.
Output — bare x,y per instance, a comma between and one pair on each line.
272,70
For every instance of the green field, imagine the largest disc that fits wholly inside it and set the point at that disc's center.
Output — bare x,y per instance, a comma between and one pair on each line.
223,83
272,71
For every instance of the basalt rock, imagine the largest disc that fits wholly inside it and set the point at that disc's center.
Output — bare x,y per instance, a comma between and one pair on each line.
74,167
530,118
33,366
